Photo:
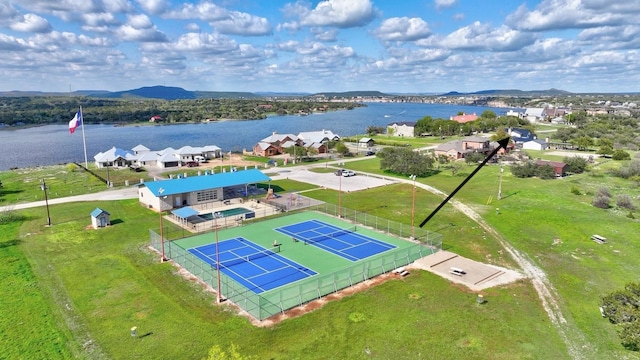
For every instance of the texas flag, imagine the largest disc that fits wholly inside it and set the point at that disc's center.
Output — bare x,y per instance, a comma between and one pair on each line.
76,121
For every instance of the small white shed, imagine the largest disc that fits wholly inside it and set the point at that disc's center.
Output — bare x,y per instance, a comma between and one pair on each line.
100,218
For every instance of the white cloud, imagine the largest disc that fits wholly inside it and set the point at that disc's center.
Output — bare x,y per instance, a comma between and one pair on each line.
573,14
154,6
139,28
340,13
205,43
478,36
239,23
324,35
403,29
206,11
31,23
442,4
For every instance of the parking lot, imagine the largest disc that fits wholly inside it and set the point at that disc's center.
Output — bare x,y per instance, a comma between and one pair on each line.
332,181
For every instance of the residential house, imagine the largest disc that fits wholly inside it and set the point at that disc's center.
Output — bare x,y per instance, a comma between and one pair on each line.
535,144
464,118
322,136
558,167
114,157
534,115
265,149
366,142
275,144
402,129
558,120
519,135
458,149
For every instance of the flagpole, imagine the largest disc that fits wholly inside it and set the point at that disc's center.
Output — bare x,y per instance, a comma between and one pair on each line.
84,142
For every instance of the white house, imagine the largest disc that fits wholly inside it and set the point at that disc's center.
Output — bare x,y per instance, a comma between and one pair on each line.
402,129
535,144
534,114
323,137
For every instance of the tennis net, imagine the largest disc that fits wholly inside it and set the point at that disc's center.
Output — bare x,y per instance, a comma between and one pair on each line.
247,258
332,235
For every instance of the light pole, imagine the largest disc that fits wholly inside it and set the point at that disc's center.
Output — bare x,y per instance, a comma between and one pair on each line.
217,215
43,186
162,258
340,195
413,206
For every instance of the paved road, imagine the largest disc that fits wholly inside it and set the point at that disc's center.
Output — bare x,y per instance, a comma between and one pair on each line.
113,194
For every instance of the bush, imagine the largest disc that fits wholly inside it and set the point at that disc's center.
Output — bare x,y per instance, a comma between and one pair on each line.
601,202
603,191
625,202
621,308
575,164
545,172
575,191
620,155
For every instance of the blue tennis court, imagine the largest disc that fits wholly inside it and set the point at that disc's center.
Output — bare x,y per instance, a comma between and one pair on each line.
346,243
250,264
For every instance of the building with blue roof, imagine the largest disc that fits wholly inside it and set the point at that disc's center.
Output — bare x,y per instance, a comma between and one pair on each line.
186,191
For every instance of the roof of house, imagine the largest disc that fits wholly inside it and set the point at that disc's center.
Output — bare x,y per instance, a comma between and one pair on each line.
365,140
403,123
205,182
140,147
538,112
537,141
450,145
113,154
318,136
476,139
275,137
464,118
263,145
97,212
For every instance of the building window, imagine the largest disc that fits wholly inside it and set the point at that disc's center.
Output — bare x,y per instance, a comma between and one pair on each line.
207,195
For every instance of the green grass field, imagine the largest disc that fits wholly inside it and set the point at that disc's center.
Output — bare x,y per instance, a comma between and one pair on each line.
89,287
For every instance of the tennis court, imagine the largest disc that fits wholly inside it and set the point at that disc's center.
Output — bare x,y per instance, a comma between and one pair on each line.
250,264
265,280
340,241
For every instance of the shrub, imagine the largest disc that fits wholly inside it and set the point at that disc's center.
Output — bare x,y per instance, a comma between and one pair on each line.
601,202
575,191
575,164
603,191
625,202
620,155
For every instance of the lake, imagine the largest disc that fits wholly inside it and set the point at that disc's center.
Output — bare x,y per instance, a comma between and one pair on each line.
52,144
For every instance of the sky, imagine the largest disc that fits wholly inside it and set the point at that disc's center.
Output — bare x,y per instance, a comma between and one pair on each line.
393,46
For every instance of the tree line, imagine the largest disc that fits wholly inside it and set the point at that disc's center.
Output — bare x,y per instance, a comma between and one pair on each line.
41,110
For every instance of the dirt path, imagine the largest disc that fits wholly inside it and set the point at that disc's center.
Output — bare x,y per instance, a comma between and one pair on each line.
577,345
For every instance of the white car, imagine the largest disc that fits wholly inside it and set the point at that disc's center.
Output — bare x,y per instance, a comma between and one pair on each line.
348,173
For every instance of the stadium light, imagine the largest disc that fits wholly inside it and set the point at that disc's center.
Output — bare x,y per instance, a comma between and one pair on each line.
44,188
413,206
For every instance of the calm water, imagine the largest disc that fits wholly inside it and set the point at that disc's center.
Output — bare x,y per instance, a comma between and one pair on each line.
52,144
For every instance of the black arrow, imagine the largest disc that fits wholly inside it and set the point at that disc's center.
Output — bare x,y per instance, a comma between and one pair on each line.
503,144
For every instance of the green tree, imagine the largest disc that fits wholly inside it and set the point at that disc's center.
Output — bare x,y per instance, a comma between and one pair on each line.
545,172
488,114
423,126
622,308
500,134
575,164
374,130
528,169
404,161
606,146
474,158
342,149
583,143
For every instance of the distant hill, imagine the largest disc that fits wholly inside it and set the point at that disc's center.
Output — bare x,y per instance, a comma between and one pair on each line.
512,92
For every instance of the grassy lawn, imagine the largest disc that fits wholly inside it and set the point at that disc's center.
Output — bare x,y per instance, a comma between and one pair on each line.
90,287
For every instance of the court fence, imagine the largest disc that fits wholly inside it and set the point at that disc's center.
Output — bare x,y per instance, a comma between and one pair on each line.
264,305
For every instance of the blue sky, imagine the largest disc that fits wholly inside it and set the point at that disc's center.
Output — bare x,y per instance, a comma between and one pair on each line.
396,46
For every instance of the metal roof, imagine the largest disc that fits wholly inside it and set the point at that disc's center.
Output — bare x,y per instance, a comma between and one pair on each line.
184,212
205,182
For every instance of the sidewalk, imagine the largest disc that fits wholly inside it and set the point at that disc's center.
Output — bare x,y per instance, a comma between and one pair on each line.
119,194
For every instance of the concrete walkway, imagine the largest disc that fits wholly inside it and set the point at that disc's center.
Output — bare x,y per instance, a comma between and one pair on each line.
113,194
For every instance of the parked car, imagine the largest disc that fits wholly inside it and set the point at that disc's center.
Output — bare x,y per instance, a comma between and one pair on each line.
338,172
369,153
348,173
192,164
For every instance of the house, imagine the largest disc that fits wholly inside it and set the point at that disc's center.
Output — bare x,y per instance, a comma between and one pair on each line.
534,115
558,167
320,148
535,144
558,120
275,144
114,157
100,218
458,149
402,129
513,113
265,149
519,135
464,118
140,149
366,142
174,193
322,136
